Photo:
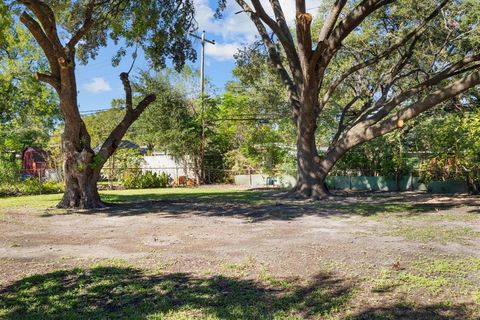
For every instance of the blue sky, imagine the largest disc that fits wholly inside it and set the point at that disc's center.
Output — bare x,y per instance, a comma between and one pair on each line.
98,82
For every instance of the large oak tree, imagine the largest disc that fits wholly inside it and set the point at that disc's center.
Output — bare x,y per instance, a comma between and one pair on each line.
380,62
68,31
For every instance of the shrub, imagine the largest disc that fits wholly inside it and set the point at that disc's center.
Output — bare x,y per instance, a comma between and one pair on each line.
30,186
9,171
145,180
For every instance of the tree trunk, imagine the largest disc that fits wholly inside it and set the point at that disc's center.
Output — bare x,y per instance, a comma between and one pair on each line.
80,170
80,191
310,175
312,170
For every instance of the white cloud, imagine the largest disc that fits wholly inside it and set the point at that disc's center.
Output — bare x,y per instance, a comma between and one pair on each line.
221,51
97,85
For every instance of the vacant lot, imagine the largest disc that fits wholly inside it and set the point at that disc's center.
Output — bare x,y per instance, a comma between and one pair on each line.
223,253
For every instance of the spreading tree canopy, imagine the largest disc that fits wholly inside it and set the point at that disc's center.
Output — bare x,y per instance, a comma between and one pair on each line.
377,63
74,30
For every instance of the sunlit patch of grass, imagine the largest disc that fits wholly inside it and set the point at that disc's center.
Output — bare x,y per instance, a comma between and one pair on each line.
112,262
433,284
446,277
435,233
240,268
451,266
476,297
35,202
210,194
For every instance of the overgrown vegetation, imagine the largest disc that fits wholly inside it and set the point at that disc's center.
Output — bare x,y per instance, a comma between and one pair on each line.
13,184
146,180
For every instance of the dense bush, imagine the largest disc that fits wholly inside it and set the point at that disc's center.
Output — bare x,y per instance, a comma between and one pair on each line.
148,179
9,171
30,186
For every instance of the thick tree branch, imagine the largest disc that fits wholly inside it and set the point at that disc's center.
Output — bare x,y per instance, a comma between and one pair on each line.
272,52
281,21
284,36
327,49
128,90
331,20
45,15
86,26
425,104
354,19
383,110
42,39
304,37
50,79
131,115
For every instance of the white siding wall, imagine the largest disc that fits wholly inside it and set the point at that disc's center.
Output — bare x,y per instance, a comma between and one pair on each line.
165,163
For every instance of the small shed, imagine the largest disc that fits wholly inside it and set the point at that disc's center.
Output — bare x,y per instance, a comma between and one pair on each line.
34,161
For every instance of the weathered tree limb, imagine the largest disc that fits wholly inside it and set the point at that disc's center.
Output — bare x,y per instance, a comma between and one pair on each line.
430,101
50,79
331,20
285,38
131,115
273,53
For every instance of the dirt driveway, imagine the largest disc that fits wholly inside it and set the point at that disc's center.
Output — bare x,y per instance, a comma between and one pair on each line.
369,241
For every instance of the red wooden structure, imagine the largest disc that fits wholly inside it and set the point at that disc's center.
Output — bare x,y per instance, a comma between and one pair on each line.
34,161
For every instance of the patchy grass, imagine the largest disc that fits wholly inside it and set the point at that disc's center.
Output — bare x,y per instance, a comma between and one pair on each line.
113,289
152,287
241,268
447,278
402,211
383,209
435,233
476,297
112,292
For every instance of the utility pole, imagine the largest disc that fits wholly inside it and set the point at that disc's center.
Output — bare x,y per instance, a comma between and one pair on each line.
202,98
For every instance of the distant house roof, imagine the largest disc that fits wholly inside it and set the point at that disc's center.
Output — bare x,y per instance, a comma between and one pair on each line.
124,144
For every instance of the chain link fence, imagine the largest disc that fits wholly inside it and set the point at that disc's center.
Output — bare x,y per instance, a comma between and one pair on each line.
433,180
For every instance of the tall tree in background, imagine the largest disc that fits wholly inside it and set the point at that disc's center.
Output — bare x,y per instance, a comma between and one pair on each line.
393,59
28,108
160,27
173,123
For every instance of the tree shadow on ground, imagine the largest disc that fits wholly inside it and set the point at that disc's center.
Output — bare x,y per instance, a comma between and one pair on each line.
405,312
106,292
257,206
127,293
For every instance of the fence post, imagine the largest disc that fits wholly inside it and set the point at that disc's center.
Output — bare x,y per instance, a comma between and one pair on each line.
467,176
250,176
411,181
176,176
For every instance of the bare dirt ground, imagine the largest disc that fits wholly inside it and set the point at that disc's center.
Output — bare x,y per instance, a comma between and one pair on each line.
364,241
